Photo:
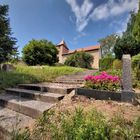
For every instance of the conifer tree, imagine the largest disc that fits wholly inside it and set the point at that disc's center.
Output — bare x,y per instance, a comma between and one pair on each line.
136,29
7,42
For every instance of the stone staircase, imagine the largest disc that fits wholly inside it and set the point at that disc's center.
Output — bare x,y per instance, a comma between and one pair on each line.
77,78
23,104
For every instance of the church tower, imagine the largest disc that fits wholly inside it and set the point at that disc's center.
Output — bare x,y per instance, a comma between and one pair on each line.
62,49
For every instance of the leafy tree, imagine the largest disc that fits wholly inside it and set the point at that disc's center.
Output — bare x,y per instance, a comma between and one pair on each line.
107,45
7,43
136,29
40,52
126,45
80,59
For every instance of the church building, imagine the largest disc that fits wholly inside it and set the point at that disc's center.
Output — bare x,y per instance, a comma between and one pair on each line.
64,52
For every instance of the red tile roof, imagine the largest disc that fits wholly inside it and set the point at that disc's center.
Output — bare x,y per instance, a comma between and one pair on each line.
86,49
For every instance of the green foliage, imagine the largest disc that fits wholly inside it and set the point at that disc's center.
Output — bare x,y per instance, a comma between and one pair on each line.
136,66
106,63
113,72
107,45
76,125
33,74
80,124
117,64
130,24
123,129
126,45
21,134
136,70
136,29
7,43
40,52
80,59
136,61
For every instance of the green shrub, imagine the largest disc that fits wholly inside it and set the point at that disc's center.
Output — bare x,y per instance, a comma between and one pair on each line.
59,64
136,66
117,64
80,59
40,52
136,61
106,63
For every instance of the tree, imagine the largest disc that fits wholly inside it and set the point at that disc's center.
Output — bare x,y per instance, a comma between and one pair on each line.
107,45
80,59
7,43
40,52
126,44
136,29
130,24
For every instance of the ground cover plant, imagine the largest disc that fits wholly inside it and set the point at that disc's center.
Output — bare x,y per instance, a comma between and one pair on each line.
82,124
33,74
103,81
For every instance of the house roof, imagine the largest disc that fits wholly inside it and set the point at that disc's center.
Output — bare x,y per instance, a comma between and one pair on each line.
86,49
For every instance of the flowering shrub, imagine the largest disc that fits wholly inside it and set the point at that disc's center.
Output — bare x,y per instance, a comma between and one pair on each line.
103,81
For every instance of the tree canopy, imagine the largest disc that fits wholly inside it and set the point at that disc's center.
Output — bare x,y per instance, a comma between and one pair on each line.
136,28
107,45
7,42
128,43
40,52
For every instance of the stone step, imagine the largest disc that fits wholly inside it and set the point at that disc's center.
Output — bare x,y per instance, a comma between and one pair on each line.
69,79
48,87
11,121
69,82
73,76
36,95
31,108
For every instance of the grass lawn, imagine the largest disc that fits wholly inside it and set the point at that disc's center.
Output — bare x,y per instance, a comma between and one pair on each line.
32,74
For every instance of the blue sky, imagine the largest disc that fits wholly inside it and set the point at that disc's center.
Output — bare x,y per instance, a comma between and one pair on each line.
80,23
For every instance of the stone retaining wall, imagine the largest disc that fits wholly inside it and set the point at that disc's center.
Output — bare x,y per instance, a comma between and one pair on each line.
99,94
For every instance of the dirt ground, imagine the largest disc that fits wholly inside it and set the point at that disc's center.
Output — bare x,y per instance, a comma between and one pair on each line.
108,108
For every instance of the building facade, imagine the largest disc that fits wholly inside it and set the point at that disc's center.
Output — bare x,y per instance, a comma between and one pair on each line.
64,52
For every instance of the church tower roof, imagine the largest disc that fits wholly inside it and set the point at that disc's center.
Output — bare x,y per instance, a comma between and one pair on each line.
62,43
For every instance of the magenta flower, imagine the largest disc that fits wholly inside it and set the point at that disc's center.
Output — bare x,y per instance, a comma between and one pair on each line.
104,81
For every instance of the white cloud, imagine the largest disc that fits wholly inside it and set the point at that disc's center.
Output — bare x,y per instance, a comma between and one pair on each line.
81,12
82,34
112,8
86,12
119,26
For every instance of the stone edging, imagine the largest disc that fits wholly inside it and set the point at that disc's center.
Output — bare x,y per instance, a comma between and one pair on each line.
99,94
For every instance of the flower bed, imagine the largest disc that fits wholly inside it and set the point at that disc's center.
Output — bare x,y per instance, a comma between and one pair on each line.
103,81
